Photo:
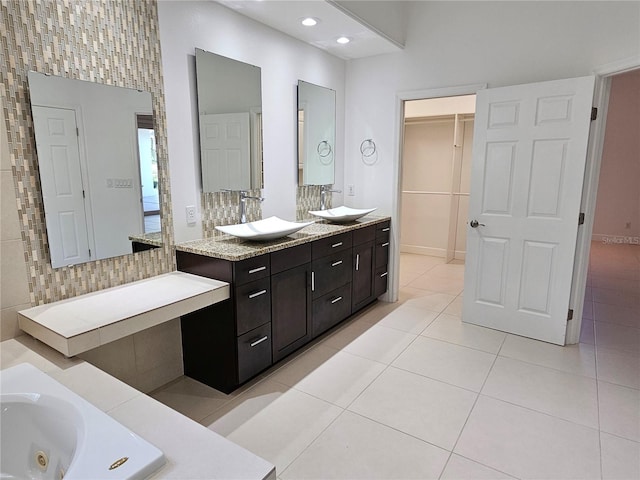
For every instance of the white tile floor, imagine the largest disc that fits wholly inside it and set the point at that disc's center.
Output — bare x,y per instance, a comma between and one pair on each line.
407,390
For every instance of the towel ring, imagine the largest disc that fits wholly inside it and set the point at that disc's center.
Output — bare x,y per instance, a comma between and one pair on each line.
324,151
369,151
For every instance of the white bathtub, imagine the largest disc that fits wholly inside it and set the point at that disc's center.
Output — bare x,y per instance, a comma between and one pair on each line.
49,432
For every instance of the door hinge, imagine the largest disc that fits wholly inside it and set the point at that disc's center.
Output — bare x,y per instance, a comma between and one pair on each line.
83,195
570,315
594,113
581,219
77,132
89,253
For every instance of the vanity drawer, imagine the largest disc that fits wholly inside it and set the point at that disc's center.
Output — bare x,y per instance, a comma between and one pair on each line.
380,281
290,258
329,245
364,235
382,251
383,228
331,309
254,352
253,305
251,269
330,272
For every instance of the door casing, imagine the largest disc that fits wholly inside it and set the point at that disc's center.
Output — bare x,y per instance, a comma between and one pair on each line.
603,76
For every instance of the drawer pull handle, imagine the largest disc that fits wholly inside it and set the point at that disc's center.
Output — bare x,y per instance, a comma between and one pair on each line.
259,341
384,274
386,229
357,262
313,281
336,245
257,294
336,300
259,269
385,244
335,264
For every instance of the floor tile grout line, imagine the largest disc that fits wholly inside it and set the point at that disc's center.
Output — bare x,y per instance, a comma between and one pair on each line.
480,463
552,368
464,425
315,439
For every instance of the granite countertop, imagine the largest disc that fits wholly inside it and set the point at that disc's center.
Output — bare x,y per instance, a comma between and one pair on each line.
153,238
227,247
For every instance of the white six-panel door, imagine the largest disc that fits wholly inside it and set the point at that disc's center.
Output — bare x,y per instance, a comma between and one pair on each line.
226,163
62,188
529,154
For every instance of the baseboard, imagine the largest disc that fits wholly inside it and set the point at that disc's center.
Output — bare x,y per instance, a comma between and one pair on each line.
417,249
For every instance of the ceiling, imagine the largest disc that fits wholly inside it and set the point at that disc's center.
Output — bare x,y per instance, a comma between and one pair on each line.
286,16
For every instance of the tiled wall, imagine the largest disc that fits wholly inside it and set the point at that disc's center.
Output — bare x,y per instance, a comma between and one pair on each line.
308,198
104,41
14,288
115,43
222,208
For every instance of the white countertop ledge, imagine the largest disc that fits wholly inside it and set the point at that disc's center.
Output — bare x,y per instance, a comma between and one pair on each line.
78,324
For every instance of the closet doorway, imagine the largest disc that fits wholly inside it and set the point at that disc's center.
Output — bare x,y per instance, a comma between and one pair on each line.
436,170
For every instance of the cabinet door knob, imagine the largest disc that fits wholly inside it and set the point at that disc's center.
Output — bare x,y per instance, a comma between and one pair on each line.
257,294
336,300
384,274
385,244
386,229
357,262
256,270
313,281
259,341
335,264
336,245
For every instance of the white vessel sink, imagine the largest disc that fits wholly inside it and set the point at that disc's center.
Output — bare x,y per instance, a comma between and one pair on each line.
341,214
268,229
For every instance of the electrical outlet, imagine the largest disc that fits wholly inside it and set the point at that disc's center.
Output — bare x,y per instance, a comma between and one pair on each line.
351,190
191,214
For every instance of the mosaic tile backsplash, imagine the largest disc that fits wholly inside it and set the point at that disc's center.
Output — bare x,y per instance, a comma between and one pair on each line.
109,42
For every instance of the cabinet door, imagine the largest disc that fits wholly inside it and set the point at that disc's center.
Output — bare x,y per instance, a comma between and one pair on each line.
290,310
362,283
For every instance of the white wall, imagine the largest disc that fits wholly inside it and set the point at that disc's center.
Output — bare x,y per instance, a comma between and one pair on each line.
461,43
284,60
618,201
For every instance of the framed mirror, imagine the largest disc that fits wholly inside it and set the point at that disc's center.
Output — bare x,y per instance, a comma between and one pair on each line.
316,134
98,167
230,114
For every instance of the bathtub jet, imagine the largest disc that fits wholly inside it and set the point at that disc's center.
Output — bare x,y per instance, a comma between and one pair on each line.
49,432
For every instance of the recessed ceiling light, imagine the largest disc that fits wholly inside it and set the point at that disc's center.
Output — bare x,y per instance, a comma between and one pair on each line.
309,21
343,40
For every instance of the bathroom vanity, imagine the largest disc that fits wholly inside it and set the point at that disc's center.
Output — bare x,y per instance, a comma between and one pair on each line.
283,294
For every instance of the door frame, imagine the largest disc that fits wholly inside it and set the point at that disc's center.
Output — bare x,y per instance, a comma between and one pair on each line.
603,76
401,98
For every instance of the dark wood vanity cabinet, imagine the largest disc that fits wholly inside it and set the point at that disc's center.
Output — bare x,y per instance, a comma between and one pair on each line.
226,344
279,302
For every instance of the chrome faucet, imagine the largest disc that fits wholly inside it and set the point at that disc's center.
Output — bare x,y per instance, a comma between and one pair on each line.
244,196
323,194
